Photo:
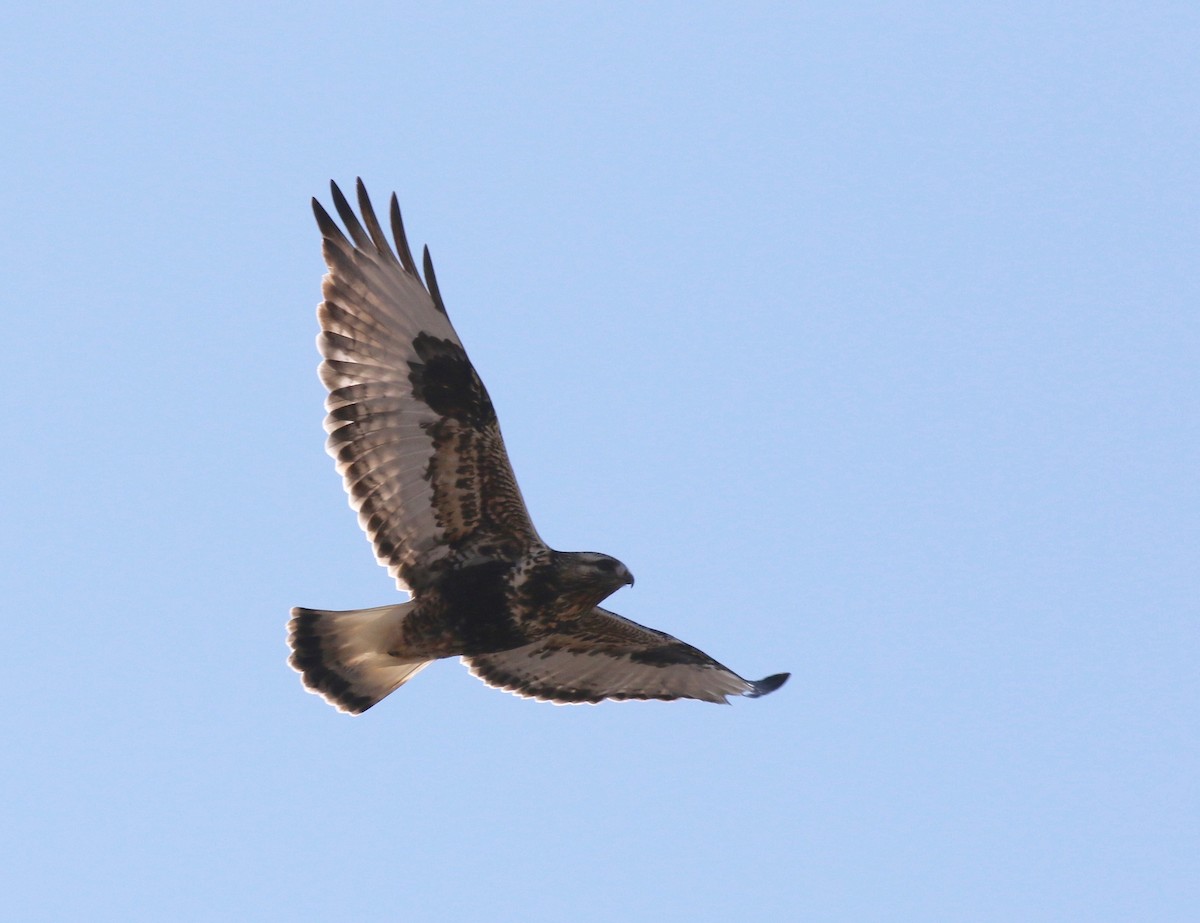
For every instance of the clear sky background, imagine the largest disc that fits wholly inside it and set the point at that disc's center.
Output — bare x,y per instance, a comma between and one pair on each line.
865,334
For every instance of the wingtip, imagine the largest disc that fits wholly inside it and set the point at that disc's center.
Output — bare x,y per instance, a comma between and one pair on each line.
400,238
767,685
431,282
327,226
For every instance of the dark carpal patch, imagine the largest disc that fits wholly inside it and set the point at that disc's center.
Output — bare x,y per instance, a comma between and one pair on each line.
672,654
445,380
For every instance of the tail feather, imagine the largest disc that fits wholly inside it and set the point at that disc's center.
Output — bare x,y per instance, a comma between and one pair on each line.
344,656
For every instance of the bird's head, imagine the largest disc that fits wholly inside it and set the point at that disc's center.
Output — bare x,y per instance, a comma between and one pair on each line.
589,576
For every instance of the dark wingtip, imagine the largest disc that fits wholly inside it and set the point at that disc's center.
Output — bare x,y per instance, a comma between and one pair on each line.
360,237
374,228
328,227
400,237
431,283
767,685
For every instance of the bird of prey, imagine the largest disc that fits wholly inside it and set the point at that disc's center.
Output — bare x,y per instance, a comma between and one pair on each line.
417,444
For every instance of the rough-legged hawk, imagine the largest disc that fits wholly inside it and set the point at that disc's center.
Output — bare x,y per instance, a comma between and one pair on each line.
417,444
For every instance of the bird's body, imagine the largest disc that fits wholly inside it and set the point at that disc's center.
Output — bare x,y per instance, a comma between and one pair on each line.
418,445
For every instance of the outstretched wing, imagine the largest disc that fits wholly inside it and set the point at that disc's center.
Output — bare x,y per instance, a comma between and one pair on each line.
605,656
410,424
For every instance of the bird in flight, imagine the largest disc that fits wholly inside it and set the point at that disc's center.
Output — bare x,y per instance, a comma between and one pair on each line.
418,446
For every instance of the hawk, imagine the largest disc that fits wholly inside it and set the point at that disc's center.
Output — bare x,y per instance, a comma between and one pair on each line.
418,446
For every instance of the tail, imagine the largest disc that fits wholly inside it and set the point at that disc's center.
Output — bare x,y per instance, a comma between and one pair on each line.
344,656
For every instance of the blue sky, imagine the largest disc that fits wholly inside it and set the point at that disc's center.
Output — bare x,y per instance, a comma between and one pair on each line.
865,334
